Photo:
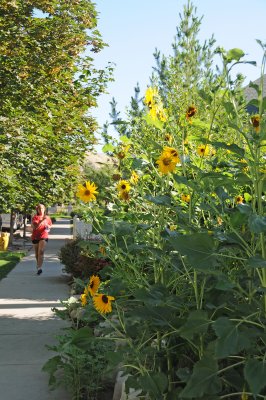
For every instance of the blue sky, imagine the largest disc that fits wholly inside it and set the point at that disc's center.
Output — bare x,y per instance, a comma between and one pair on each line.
133,29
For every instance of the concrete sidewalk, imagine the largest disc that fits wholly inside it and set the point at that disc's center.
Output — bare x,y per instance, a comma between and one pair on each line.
27,323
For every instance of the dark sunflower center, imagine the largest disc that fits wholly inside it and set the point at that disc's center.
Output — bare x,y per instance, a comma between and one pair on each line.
191,111
255,122
104,299
87,192
123,187
91,285
167,161
202,150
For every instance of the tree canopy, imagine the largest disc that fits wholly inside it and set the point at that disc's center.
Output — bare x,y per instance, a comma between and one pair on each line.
48,86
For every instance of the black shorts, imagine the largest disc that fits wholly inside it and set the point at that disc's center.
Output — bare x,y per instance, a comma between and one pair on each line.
35,241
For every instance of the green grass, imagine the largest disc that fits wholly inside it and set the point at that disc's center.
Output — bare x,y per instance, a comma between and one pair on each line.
8,260
59,216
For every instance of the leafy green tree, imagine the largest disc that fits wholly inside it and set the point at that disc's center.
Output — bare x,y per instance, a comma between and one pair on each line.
48,86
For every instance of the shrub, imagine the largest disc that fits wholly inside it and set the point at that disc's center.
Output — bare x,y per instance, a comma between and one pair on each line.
79,262
86,266
80,366
68,255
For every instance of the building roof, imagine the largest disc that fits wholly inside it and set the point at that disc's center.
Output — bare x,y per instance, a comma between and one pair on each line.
251,93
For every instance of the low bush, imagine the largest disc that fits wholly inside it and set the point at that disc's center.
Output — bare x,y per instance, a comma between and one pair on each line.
68,255
81,364
80,261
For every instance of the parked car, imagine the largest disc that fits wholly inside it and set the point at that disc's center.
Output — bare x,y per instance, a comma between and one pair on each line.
18,221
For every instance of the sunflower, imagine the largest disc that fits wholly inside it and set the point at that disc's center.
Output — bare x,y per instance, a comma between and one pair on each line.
162,114
173,153
83,299
166,163
190,112
134,177
203,150
93,285
245,168
116,177
228,151
123,152
185,197
168,138
255,120
150,94
219,220
172,227
124,195
102,303
153,111
213,152
239,199
87,192
123,186
102,250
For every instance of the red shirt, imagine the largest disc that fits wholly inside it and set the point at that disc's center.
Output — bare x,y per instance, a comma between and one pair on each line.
41,231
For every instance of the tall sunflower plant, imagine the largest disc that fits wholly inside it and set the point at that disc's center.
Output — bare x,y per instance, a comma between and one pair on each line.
187,241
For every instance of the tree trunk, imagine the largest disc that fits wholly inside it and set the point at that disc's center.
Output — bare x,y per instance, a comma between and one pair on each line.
12,220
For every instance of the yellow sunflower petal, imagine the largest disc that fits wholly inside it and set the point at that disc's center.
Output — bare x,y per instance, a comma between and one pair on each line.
123,186
94,285
83,299
203,150
102,303
166,163
87,192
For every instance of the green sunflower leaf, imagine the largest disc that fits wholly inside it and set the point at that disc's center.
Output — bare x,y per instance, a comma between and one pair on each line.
234,55
257,223
231,147
199,249
256,262
119,228
159,200
204,379
229,107
83,337
153,121
197,323
244,208
125,139
154,383
200,124
230,338
255,374
108,147
205,96
183,180
237,218
114,358
184,374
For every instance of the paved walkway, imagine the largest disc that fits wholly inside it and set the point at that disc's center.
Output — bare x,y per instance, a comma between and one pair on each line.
27,323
